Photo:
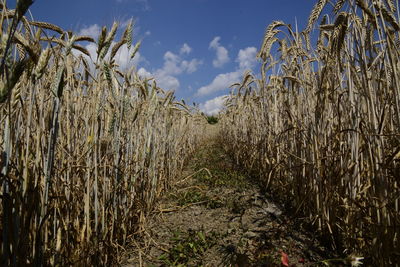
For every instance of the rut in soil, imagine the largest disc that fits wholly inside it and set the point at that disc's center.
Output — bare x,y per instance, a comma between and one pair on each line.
216,215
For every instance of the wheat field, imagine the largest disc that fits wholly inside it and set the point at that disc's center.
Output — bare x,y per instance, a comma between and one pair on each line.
320,125
86,147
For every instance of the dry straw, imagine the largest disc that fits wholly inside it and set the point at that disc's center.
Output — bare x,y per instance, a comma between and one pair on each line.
321,128
86,147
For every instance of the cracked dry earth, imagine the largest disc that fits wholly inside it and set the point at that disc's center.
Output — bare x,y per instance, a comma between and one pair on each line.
216,216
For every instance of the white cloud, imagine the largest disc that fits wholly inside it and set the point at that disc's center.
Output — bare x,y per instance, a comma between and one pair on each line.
92,48
247,58
122,57
213,106
185,49
221,82
147,33
163,80
191,66
142,72
173,65
167,82
165,76
92,31
221,53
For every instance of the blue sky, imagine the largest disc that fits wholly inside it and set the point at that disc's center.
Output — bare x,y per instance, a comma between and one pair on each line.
195,47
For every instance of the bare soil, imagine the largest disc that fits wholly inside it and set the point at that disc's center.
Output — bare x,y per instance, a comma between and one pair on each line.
215,215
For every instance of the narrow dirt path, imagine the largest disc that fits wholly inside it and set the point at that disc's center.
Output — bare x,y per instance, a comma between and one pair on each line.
216,216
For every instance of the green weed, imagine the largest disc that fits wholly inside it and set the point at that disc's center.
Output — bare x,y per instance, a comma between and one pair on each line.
189,247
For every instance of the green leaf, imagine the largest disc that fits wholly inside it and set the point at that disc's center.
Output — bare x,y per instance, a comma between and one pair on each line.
202,237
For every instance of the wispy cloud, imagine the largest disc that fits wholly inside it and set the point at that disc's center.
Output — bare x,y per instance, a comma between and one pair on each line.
246,59
92,31
222,56
144,3
185,49
192,65
174,65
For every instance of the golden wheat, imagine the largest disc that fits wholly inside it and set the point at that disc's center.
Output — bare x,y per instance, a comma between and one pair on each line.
86,147
322,133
